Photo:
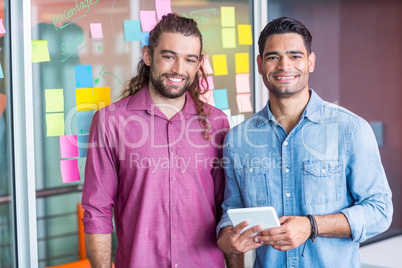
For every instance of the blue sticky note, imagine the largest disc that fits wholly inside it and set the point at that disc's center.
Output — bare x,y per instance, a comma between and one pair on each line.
1,72
83,76
221,98
83,145
144,39
132,30
84,120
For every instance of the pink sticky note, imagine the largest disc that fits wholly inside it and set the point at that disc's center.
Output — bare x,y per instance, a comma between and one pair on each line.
210,81
208,97
243,83
69,170
207,65
244,102
163,7
2,29
148,20
96,30
68,146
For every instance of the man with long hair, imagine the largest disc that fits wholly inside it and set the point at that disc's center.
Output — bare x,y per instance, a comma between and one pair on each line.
155,161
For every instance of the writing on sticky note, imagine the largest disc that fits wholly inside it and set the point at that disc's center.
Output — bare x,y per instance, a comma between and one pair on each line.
84,98
244,34
244,102
206,65
54,100
228,38
228,17
204,85
148,20
132,30
163,7
243,83
242,63
221,98
2,28
84,120
220,64
144,39
1,71
54,124
69,170
83,145
83,76
40,51
208,97
68,146
96,30
101,97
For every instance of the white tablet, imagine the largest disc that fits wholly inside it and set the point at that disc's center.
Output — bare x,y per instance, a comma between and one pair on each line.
266,216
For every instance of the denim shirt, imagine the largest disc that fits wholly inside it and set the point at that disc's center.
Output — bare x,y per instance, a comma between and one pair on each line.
328,163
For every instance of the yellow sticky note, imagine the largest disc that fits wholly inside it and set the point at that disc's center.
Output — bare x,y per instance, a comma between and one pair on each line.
220,64
54,100
228,37
84,98
242,63
228,17
40,51
244,34
55,124
101,97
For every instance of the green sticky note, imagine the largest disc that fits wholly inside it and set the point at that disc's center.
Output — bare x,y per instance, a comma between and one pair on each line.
55,124
219,64
228,17
40,51
244,34
228,37
242,63
54,100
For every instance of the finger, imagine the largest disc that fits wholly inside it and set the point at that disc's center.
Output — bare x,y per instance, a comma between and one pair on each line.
238,228
248,233
252,246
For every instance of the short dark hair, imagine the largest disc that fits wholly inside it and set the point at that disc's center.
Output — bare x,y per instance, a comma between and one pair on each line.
281,26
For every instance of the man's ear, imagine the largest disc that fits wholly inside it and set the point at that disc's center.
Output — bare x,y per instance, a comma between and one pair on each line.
146,55
259,61
311,62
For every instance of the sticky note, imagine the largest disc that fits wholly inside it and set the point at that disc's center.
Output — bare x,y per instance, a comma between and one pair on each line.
228,112
228,17
101,97
220,64
132,30
144,39
68,146
84,120
244,34
1,71
2,28
40,51
243,83
84,98
83,145
204,85
244,102
221,98
208,97
54,100
163,7
148,20
55,124
228,38
69,170
207,65
234,120
83,76
242,63
96,30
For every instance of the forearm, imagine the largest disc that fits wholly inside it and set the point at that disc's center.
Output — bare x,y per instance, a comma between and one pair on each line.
234,260
334,225
99,250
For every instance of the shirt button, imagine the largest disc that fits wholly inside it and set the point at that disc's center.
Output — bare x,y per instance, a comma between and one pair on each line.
174,207
285,143
323,170
173,149
287,170
287,194
174,178
251,170
175,236
176,265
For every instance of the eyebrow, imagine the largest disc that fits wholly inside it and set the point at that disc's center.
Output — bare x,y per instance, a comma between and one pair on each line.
287,52
174,53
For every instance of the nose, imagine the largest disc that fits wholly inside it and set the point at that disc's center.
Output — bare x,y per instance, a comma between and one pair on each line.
284,64
178,66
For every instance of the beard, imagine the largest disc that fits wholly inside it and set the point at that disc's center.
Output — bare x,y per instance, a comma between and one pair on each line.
166,90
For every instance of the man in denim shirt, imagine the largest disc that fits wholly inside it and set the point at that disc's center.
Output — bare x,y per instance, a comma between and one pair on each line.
316,163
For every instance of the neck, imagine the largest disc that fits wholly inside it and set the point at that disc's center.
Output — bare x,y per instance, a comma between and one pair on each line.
169,107
287,111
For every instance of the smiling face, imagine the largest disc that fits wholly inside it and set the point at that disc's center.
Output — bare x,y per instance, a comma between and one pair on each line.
173,65
285,66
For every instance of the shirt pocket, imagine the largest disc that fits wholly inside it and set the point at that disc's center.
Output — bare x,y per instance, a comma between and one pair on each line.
254,187
322,181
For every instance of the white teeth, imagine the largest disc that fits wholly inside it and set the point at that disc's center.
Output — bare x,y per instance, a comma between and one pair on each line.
175,79
287,77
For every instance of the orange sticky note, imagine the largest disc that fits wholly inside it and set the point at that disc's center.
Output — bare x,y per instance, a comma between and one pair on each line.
101,97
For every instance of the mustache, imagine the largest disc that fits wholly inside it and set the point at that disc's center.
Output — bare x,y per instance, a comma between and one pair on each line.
176,75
